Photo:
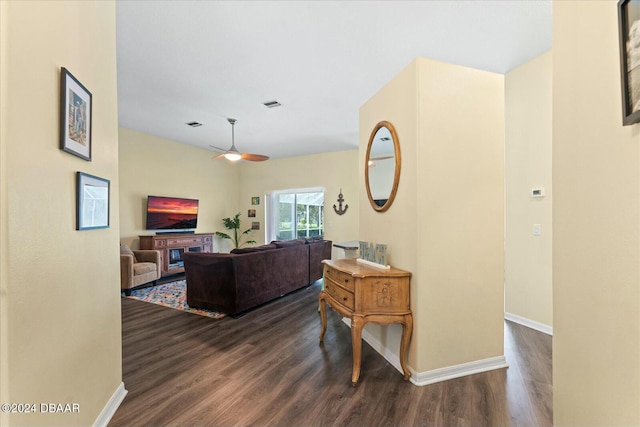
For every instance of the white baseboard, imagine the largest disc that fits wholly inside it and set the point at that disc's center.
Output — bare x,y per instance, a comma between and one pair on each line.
540,327
457,371
111,407
436,375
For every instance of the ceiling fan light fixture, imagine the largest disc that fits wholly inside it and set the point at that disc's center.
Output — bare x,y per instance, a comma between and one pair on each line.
232,156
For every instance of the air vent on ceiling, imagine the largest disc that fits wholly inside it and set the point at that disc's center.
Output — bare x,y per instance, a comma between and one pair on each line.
194,124
385,138
271,104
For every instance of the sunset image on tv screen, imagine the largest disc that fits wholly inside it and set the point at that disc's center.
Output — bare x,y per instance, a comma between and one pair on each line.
171,213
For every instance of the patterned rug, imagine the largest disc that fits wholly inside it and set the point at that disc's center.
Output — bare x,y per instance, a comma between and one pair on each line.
173,295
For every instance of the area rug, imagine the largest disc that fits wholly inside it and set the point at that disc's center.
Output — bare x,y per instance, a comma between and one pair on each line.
173,295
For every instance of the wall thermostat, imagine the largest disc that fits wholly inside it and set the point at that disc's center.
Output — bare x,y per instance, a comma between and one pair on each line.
537,192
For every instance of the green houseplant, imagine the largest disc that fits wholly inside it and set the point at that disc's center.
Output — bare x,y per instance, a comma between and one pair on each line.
233,224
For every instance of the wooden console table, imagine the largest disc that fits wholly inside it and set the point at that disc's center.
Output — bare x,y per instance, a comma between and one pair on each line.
367,294
172,246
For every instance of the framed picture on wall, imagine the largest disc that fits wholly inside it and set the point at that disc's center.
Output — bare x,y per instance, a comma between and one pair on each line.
92,204
255,225
629,31
255,200
75,116
251,213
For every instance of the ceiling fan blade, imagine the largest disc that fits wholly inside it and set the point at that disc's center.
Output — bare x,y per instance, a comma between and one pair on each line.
382,157
218,148
218,156
254,157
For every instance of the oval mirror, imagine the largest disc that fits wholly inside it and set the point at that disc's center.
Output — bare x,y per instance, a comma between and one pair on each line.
382,169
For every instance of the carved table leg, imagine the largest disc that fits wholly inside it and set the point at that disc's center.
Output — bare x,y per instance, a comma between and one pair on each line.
323,315
357,323
407,329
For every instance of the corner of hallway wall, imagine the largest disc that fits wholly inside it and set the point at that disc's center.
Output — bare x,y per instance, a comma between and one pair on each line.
446,225
528,272
460,150
4,222
61,327
596,226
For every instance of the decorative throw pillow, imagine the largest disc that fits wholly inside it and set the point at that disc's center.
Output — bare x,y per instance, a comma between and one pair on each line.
126,250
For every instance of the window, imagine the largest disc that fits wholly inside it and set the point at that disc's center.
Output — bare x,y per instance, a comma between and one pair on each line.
293,214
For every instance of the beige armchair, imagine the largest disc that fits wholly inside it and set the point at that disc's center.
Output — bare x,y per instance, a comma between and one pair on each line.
138,267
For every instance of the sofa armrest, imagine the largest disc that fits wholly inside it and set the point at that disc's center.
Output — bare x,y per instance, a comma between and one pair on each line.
126,271
318,251
211,281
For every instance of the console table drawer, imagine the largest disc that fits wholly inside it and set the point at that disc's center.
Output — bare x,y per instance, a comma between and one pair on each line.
339,294
184,241
343,279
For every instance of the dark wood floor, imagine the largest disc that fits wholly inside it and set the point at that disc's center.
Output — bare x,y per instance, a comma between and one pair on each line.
267,369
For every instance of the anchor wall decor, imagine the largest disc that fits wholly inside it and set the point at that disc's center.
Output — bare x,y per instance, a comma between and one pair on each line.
339,209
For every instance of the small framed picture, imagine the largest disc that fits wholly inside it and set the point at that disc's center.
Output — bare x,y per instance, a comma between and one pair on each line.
255,200
255,225
251,213
629,32
92,205
75,116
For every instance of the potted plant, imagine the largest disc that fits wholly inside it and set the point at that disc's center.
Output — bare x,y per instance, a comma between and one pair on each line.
233,224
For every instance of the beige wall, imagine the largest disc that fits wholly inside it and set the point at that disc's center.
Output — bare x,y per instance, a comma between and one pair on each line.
148,166
446,223
596,218
331,171
154,166
397,227
528,290
61,331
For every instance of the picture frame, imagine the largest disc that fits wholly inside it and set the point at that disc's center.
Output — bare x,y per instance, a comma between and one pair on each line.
255,225
629,35
76,106
255,200
251,213
92,202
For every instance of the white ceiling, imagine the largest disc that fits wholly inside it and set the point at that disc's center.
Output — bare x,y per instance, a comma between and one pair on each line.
205,61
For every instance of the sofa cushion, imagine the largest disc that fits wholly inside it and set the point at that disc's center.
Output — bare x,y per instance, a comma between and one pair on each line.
253,249
143,268
288,243
126,250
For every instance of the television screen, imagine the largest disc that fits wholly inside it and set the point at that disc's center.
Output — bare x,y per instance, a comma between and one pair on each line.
171,213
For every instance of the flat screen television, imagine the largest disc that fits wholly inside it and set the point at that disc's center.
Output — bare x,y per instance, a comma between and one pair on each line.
171,213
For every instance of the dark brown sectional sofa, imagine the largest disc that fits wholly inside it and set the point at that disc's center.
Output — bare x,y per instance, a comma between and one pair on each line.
236,282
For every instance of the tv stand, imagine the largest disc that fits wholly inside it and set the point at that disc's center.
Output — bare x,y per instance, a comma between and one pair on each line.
172,246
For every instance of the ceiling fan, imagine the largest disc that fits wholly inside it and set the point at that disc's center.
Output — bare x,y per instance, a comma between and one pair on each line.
233,154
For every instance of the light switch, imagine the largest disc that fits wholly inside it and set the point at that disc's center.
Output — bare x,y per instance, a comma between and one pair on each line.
537,192
536,230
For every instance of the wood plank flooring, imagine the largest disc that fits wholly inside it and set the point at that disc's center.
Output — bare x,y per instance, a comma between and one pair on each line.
267,369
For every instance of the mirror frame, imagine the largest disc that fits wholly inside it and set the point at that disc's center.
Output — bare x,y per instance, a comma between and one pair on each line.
396,175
